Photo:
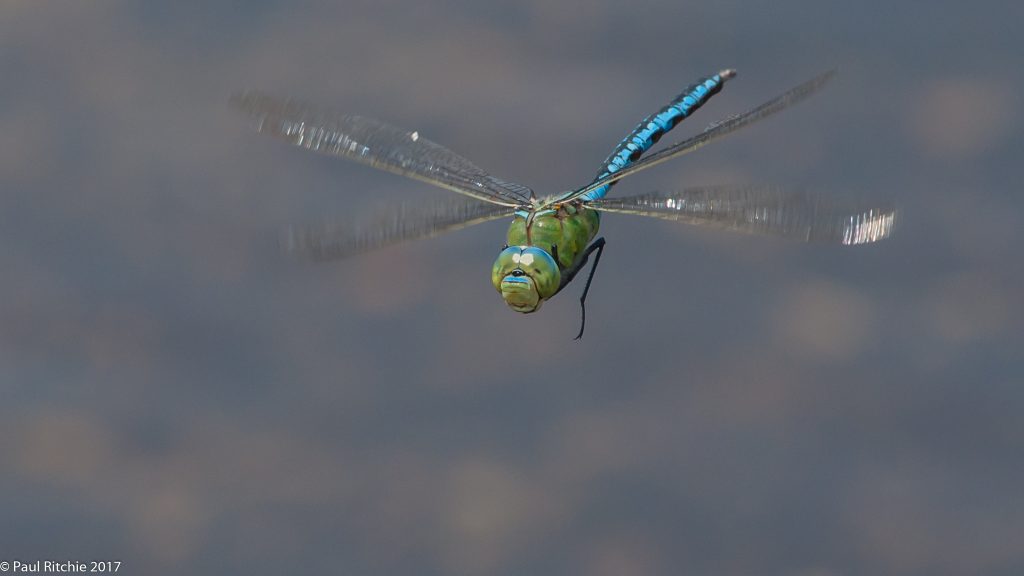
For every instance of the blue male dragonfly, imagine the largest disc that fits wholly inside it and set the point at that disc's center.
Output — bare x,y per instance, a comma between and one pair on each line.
552,237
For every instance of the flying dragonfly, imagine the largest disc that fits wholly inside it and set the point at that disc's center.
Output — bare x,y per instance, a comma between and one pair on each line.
551,238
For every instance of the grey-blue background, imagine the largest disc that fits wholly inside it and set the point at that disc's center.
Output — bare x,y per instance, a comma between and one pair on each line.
180,396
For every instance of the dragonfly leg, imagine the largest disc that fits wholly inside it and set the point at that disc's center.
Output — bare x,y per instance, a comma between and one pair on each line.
599,246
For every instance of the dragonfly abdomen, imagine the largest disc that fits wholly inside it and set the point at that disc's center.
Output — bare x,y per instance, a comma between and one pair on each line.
651,129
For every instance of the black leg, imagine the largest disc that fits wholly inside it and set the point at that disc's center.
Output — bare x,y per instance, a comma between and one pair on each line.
599,246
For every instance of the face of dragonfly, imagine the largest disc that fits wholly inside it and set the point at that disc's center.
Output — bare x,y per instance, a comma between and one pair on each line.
525,276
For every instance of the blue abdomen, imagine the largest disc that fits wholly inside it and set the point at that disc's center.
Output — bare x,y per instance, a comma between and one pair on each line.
652,128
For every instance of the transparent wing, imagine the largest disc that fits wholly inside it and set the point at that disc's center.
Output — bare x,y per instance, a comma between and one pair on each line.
764,210
377,144
334,241
714,132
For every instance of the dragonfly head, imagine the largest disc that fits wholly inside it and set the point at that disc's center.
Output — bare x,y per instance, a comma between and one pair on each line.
526,276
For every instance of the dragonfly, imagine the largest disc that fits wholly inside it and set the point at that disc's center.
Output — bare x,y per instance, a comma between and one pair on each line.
551,237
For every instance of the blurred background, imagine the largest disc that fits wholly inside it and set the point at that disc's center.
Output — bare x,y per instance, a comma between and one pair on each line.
177,394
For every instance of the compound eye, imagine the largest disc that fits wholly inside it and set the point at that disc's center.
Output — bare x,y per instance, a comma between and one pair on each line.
542,267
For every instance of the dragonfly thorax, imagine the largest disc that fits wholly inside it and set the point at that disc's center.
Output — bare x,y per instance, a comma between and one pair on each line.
525,276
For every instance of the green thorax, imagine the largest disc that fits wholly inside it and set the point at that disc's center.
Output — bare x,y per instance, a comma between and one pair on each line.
564,231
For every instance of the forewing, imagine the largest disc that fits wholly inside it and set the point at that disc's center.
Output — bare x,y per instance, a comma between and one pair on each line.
333,241
376,144
765,210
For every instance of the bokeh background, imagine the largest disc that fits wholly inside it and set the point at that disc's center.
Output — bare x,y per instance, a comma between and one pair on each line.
177,394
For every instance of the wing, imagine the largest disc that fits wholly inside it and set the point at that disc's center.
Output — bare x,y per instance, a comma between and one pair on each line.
772,211
714,132
376,144
335,241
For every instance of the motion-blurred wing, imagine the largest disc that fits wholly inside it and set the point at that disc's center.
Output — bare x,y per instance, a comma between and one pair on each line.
377,144
716,131
400,223
771,211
